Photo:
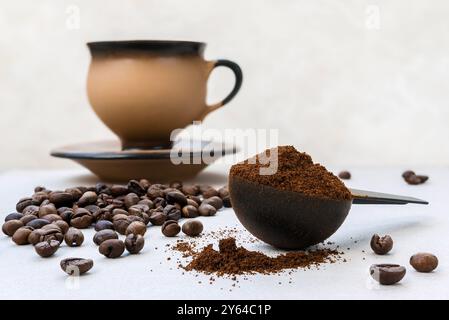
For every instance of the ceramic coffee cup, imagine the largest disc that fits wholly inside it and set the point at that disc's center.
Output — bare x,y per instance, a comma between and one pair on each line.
143,90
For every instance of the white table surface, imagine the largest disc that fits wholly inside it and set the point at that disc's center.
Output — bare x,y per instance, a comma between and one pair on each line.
413,227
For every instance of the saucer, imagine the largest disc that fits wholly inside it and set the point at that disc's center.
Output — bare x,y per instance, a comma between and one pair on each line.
109,162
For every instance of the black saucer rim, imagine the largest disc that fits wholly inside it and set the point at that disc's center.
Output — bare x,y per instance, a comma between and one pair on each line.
153,154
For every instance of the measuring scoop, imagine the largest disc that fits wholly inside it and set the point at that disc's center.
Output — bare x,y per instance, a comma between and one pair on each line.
290,220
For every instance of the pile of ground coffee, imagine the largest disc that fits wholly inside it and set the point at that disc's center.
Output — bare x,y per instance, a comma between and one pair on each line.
296,172
232,260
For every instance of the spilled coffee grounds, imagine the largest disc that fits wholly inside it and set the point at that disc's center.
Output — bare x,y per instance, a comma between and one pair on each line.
295,172
233,260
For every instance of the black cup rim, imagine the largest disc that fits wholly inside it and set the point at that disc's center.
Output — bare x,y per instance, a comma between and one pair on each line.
155,46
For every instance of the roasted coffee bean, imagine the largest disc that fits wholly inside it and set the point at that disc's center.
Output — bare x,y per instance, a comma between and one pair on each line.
146,202
94,210
64,226
66,215
157,217
136,227
408,174
13,216
26,219
83,189
104,235
159,202
381,245
345,175
424,262
172,212
74,237
132,218
145,183
168,190
76,266
207,210
87,198
11,226
138,209
81,218
121,222
134,243
31,211
191,189
387,274
21,235
47,232
39,189
103,225
223,192
214,201
101,187
175,184
191,202
190,211
170,228
39,197
192,228
46,248
176,197
135,187
423,178
197,199
52,218
154,192
37,223
119,211
208,191
227,202
118,190
23,203
131,199
75,192
61,210
61,199
112,248
47,209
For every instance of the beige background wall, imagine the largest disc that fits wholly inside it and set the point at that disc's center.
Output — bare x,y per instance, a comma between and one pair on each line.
351,82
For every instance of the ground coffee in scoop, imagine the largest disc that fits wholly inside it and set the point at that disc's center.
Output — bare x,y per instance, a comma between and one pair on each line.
295,172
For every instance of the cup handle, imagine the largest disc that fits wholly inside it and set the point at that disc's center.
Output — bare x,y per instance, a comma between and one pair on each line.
238,83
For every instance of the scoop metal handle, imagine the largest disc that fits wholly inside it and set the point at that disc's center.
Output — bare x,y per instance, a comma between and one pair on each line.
370,197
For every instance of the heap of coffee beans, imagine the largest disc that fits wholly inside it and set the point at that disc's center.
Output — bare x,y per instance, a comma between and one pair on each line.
47,217
412,178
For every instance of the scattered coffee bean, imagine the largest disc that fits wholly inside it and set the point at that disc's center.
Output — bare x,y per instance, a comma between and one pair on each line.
207,210
208,191
52,218
87,198
136,227
104,235
20,237
146,202
76,266
192,228
134,243
37,223
13,216
345,175
190,211
159,202
61,199
135,187
75,192
158,217
23,203
119,190
172,212
11,226
47,209
28,218
214,201
381,245
74,237
413,179
387,274
121,223
131,199
191,202
47,232
192,190
64,226
104,224
170,228
223,192
81,218
227,202
176,197
112,248
145,183
31,210
46,248
424,262
154,192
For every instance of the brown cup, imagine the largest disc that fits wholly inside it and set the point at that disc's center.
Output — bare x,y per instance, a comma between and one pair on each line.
143,90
